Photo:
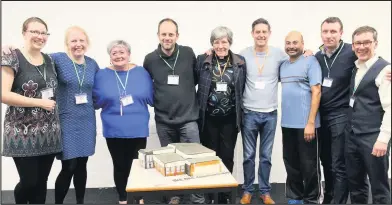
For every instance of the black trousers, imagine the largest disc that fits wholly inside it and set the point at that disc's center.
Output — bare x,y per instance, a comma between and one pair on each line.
360,164
76,168
301,162
332,141
123,151
33,173
220,135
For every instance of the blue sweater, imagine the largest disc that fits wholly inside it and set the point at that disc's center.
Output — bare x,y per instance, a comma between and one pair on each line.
135,117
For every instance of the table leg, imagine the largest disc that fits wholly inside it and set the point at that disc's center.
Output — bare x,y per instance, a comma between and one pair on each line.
216,197
233,195
131,198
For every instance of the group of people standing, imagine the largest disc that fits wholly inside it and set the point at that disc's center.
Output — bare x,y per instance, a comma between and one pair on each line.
336,102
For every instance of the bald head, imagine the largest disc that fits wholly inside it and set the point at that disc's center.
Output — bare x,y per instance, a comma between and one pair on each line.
294,35
294,44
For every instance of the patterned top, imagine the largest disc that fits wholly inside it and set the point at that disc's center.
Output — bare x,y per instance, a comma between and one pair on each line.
221,103
30,131
78,124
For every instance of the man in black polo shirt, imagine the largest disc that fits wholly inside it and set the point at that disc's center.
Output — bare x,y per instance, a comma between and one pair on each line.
171,67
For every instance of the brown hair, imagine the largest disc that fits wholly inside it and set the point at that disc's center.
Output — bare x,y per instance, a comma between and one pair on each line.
333,20
260,21
33,19
168,20
365,29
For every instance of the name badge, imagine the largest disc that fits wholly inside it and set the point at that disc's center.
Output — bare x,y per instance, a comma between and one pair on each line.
47,93
352,100
327,82
81,98
260,85
173,79
221,86
127,100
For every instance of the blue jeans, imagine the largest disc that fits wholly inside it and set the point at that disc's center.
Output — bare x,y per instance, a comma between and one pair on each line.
253,124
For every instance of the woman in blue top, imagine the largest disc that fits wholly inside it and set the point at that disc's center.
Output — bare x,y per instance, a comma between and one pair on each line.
76,73
123,92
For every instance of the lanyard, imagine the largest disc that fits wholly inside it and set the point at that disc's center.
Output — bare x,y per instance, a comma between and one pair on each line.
260,68
119,79
325,60
224,68
77,74
175,62
44,75
36,67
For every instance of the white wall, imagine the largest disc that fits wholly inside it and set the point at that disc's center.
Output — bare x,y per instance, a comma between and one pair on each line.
136,22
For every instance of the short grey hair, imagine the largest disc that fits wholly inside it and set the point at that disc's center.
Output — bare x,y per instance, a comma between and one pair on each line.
221,32
120,43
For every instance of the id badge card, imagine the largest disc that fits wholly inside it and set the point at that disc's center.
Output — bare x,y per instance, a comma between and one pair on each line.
81,98
260,85
221,86
352,100
173,79
47,93
126,100
327,82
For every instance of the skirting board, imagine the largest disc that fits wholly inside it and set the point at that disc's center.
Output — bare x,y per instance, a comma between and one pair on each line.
109,196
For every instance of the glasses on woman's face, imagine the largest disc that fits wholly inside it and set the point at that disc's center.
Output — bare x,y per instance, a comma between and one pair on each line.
37,33
365,44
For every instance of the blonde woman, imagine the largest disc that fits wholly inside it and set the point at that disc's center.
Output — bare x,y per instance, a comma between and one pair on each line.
76,73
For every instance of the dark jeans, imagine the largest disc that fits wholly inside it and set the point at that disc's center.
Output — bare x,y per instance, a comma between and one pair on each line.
302,166
33,173
360,164
253,124
123,152
76,168
188,132
220,135
332,141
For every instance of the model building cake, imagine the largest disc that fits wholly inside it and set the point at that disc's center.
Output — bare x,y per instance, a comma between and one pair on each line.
192,150
203,166
146,155
175,159
169,164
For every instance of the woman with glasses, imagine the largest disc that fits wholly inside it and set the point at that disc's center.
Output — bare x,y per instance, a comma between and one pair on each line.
32,135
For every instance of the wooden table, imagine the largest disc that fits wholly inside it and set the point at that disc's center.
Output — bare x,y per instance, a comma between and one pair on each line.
144,182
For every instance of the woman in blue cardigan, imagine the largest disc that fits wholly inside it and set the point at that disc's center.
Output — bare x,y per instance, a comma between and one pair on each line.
123,92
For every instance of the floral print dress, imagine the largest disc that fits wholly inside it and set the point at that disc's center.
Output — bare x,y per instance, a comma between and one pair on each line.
31,131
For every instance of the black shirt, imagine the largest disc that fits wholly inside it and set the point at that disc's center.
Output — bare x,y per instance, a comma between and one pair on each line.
335,99
173,104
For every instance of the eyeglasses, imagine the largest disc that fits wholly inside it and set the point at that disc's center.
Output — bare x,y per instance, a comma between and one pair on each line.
365,44
37,33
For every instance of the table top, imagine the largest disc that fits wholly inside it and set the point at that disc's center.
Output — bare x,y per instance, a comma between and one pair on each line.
141,179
